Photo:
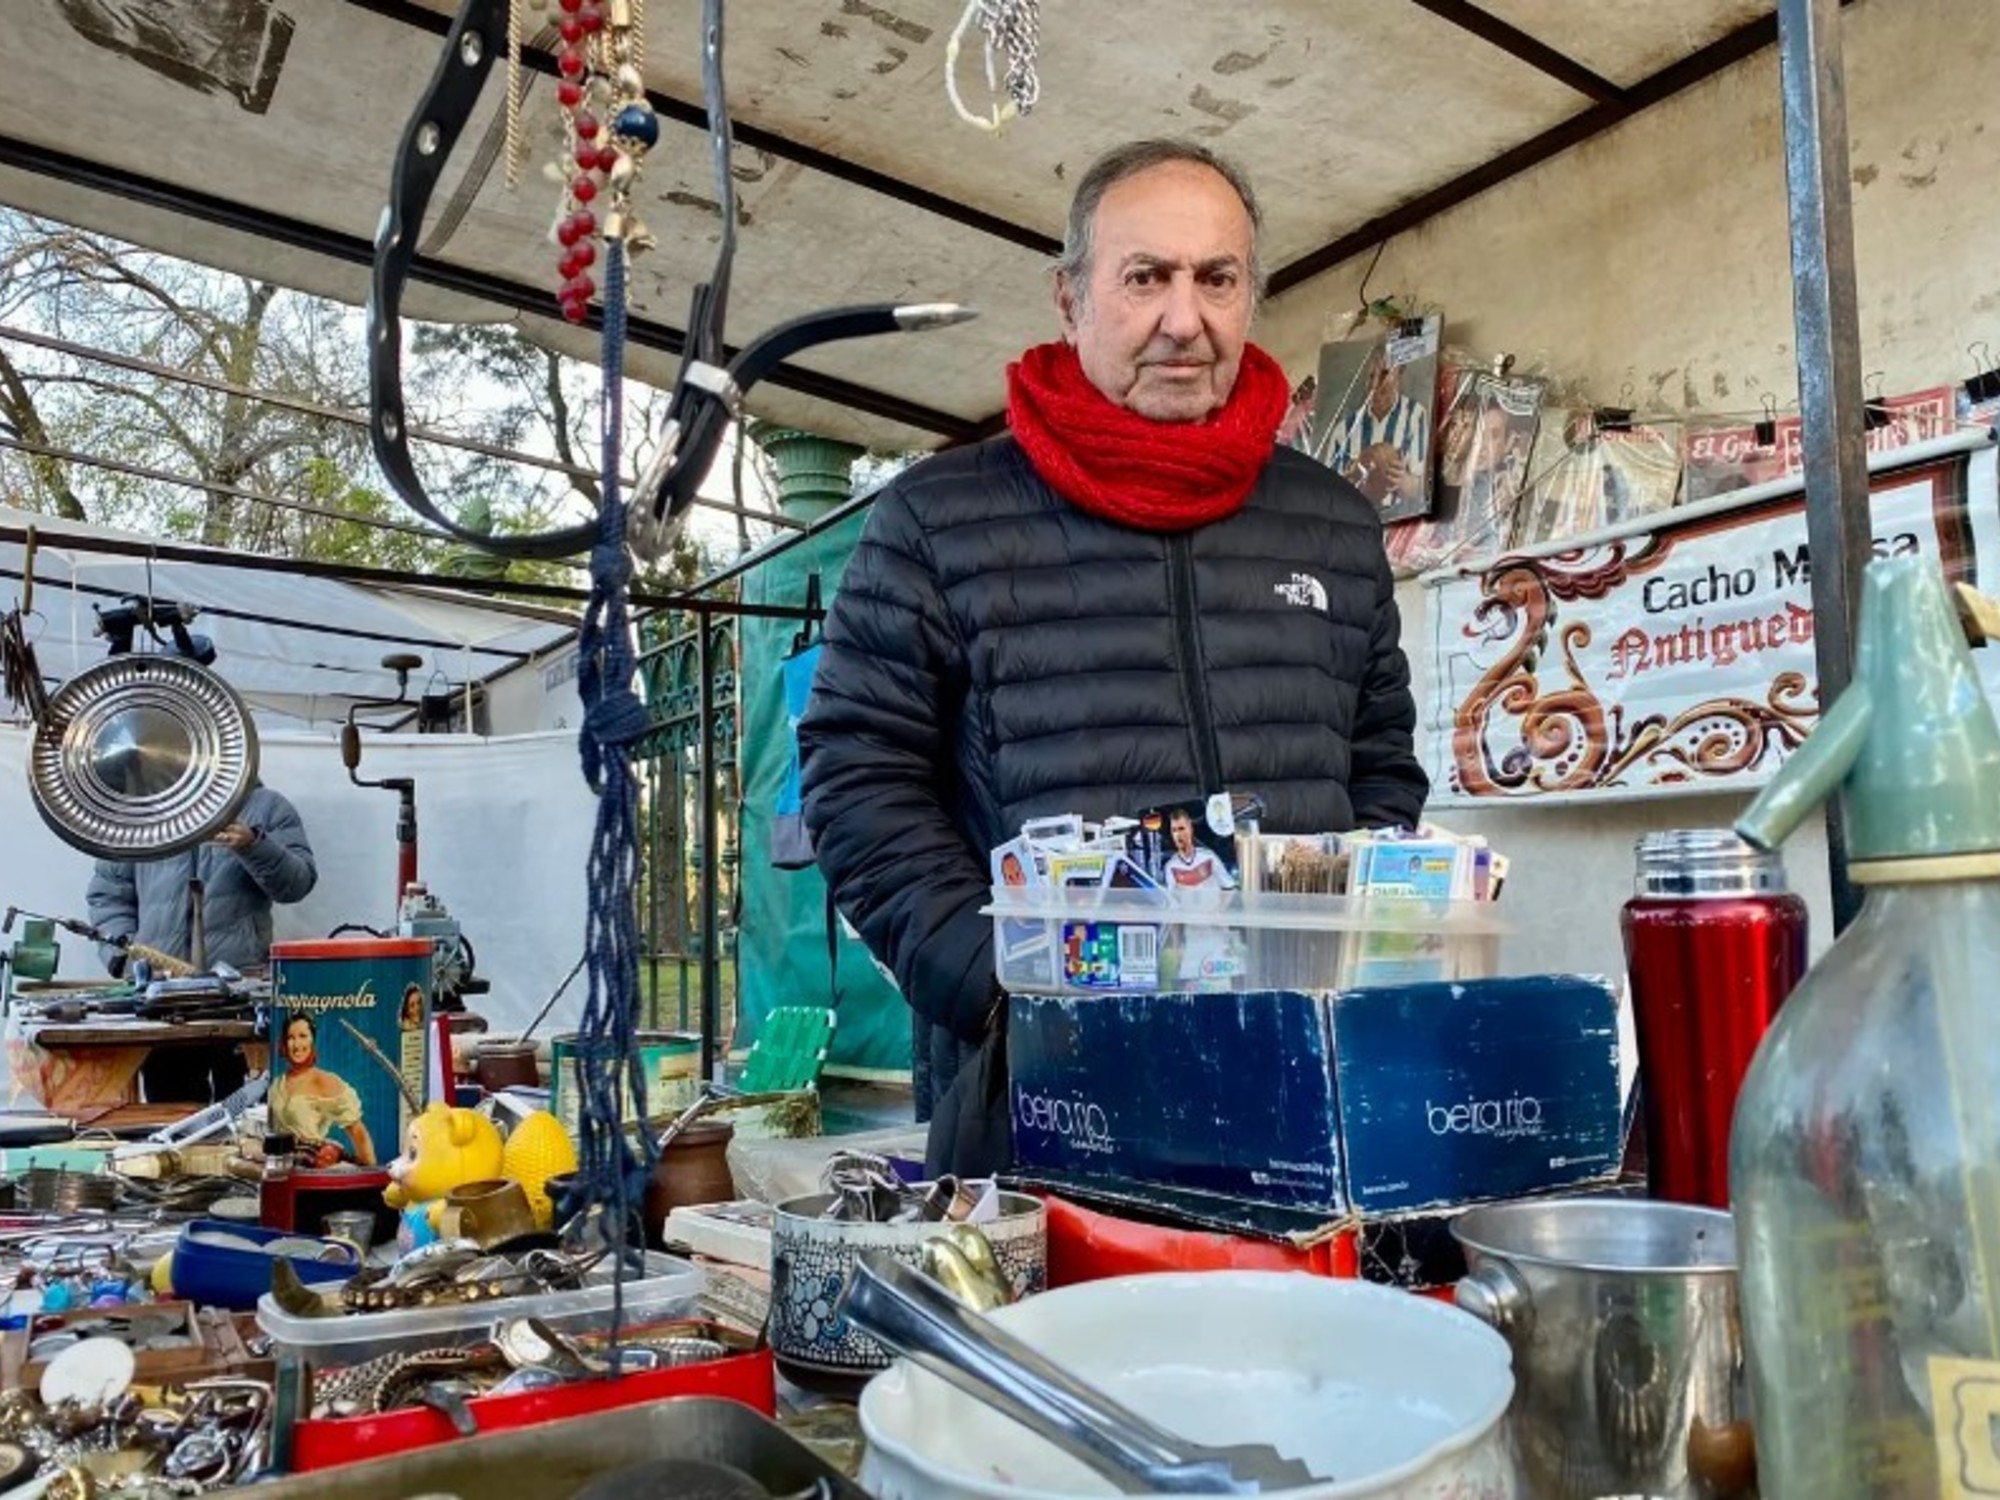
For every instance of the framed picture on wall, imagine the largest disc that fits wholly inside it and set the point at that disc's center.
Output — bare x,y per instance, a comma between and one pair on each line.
1486,436
1371,419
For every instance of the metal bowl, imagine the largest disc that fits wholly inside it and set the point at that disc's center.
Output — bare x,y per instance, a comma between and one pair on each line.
140,757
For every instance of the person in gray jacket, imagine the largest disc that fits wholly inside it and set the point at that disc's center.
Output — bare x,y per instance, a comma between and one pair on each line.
261,858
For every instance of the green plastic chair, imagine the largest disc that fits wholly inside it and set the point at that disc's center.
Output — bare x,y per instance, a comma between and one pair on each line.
790,1051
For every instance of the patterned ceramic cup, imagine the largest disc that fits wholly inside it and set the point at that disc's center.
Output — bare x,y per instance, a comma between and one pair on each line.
811,1256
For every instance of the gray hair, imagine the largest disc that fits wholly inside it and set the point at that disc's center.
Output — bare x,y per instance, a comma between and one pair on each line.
1129,160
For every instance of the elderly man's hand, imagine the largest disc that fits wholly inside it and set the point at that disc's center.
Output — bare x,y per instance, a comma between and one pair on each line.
237,837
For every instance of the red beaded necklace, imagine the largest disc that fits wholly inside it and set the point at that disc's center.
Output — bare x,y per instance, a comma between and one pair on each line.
600,65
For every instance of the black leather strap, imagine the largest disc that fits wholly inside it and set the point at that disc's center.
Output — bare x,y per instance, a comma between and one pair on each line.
710,383
477,37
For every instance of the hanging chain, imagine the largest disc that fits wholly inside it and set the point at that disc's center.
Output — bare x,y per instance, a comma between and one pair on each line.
1015,28
1012,29
635,129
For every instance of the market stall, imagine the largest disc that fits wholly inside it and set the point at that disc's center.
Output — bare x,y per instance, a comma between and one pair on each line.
1378,1057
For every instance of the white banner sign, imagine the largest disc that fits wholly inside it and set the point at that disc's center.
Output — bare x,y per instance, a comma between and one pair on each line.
1670,661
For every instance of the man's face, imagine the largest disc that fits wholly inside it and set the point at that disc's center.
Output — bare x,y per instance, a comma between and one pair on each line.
1183,830
1384,385
1161,323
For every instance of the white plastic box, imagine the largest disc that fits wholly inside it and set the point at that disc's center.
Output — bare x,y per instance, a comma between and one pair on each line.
668,1289
1086,941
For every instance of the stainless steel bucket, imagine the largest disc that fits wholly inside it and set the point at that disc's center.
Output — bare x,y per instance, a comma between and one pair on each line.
1628,1347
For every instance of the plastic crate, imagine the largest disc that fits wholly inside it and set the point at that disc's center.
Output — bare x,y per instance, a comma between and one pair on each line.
668,1290
324,1443
1089,941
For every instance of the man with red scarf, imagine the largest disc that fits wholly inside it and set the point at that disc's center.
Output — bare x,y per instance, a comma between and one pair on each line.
1133,598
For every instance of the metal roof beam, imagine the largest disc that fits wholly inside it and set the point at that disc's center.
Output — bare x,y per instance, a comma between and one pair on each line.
82,172
1518,45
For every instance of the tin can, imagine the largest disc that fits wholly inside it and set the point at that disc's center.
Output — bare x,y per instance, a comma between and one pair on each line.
349,1044
1714,942
670,1062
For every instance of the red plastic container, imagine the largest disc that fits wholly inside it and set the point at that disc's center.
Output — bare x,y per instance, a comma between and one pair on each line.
1086,1245
327,1443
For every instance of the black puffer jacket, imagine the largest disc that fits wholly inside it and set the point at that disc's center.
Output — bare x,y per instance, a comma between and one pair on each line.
995,654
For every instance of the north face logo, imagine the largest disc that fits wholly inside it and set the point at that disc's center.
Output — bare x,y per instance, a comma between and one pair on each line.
1306,591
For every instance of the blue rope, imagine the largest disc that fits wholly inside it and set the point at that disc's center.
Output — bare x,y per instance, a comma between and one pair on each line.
612,1169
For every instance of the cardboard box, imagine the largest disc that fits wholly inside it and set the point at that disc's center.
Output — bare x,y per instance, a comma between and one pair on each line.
1277,1109
1450,1093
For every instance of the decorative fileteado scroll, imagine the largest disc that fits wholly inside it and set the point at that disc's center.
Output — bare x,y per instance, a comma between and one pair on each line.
1675,660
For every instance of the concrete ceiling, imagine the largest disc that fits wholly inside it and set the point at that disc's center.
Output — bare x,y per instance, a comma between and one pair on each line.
1343,111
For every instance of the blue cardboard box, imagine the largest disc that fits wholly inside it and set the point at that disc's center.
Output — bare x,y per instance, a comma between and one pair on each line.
1491,1088
1273,1104
1229,1095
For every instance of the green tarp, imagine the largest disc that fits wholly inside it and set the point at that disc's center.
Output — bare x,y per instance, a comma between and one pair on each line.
781,954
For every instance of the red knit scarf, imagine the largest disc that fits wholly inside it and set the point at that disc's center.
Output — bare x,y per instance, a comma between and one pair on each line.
1114,463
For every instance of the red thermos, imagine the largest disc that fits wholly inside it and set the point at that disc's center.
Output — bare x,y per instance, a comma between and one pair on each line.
1713,944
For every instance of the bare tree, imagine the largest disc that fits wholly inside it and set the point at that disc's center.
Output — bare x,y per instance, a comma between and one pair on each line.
274,377
241,334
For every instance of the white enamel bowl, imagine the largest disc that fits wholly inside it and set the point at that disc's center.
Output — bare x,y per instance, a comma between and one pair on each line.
1387,1393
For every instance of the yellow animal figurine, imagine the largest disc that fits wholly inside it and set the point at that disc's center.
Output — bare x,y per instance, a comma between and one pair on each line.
538,1149
443,1150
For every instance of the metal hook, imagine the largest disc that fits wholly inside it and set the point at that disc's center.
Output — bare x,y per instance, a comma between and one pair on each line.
1978,351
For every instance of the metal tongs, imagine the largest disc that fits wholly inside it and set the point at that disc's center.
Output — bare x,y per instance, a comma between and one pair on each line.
919,1320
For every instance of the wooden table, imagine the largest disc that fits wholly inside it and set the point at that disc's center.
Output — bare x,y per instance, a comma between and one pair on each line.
89,1070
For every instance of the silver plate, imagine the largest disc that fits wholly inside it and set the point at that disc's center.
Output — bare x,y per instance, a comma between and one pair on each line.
142,756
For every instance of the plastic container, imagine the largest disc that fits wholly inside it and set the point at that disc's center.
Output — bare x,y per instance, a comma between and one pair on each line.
326,1443
667,1290
1087,941
213,1274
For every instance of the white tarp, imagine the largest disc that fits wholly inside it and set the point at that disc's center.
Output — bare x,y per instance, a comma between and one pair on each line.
298,648
504,827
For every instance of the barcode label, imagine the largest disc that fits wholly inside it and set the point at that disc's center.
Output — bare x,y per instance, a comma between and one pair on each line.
1099,956
1138,953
